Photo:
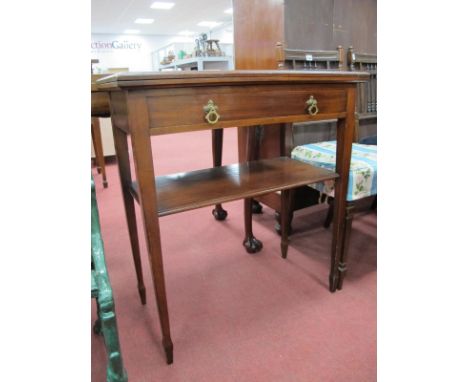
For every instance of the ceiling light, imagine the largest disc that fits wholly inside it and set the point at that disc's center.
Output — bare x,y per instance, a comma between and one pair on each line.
131,31
144,21
186,33
209,24
228,11
162,5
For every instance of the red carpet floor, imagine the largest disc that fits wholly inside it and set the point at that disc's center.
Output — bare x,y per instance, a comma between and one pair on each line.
234,316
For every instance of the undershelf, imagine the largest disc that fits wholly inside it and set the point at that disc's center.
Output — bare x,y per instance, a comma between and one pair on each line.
190,190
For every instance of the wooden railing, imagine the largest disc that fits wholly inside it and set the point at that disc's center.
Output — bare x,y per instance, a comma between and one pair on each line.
299,59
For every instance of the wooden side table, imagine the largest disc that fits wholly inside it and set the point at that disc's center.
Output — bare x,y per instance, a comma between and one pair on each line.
146,104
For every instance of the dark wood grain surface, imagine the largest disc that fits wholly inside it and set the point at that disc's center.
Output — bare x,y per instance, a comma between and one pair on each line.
232,77
99,98
325,24
244,98
189,190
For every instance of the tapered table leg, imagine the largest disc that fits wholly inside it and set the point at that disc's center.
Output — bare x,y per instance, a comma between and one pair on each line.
98,150
144,170
329,217
344,139
217,147
342,265
123,160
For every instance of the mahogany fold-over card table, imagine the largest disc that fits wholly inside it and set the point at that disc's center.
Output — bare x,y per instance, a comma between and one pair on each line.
146,104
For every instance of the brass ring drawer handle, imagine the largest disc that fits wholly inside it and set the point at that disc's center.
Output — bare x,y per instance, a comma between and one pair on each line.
211,113
312,107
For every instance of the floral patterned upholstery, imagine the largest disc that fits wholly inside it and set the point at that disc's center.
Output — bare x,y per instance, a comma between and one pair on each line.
363,169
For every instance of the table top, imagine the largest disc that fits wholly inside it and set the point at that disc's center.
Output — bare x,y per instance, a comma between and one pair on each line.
127,80
94,78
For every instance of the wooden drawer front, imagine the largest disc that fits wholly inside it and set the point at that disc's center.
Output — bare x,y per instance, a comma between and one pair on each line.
182,109
100,104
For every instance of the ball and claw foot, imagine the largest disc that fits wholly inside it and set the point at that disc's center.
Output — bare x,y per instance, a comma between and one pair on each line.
219,214
104,182
97,327
252,245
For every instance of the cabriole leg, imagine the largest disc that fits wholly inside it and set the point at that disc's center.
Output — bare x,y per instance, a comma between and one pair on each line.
251,244
217,147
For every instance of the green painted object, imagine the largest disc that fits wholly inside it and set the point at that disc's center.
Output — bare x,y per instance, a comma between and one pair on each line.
101,290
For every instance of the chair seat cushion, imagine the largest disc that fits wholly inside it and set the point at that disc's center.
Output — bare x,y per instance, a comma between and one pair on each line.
363,169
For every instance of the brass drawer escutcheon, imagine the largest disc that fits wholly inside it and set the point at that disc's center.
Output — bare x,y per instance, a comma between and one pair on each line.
212,116
312,107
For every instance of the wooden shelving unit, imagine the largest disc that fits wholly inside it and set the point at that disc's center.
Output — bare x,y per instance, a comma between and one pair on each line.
200,63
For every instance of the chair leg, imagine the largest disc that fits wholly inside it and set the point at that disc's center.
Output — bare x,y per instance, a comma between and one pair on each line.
329,217
342,266
217,148
251,243
98,150
278,219
374,204
115,369
256,207
285,221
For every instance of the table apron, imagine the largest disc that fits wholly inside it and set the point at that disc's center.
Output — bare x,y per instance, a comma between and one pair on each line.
182,109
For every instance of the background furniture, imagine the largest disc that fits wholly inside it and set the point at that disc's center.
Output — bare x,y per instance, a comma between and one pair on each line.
362,183
200,63
191,101
98,150
99,109
366,103
101,129
300,59
298,25
180,51
106,323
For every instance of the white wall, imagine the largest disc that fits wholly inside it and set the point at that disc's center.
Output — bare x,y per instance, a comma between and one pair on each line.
224,34
134,51
125,51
